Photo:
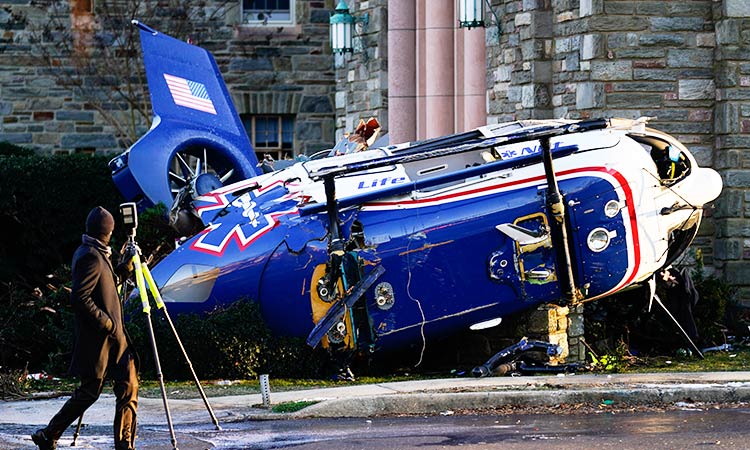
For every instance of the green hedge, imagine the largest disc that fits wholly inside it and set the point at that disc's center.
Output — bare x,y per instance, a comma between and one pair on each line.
228,343
44,201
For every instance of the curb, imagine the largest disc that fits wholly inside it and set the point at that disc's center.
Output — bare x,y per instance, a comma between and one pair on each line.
435,403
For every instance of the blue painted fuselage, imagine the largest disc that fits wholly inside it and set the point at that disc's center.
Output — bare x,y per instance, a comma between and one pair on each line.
447,263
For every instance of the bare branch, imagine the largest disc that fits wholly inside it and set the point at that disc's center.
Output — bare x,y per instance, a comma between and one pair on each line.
97,55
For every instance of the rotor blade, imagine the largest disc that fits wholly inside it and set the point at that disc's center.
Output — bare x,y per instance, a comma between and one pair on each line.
187,172
417,153
336,311
227,175
198,166
176,178
205,160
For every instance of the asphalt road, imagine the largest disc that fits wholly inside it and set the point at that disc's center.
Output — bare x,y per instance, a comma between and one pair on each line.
689,427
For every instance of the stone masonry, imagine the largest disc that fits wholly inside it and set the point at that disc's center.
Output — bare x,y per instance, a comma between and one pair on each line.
278,70
362,76
684,63
732,141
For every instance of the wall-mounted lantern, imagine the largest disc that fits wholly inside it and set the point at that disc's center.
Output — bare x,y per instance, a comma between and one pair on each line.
471,14
343,28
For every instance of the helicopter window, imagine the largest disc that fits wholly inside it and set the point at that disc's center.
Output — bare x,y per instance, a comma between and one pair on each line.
191,283
671,163
450,163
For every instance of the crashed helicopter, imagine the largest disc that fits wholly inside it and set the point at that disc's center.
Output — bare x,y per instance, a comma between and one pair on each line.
390,247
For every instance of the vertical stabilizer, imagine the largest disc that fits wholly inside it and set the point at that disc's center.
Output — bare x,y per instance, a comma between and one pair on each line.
192,111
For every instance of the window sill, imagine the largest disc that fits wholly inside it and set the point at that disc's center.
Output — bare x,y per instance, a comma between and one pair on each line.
283,30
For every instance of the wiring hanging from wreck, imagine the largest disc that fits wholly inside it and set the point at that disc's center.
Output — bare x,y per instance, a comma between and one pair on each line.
419,305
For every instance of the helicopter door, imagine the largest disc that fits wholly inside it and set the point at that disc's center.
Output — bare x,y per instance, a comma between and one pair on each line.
534,256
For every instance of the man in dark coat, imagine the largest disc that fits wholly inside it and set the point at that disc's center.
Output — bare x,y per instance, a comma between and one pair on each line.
102,348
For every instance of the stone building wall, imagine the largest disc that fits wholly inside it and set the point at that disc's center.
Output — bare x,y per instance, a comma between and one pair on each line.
36,111
683,63
268,70
283,70
362,76
732,141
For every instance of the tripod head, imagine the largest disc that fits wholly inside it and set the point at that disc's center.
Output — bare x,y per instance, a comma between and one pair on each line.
129,219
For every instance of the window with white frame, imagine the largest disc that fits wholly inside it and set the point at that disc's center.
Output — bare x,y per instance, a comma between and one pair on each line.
271,135
263,12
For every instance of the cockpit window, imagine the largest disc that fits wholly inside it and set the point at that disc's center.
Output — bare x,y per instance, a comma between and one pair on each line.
671,162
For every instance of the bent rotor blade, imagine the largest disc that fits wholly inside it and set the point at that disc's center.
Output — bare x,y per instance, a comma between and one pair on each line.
176,183
198,167
336,311
177,179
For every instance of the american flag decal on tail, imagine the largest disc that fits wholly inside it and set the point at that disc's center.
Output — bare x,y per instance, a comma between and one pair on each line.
189,94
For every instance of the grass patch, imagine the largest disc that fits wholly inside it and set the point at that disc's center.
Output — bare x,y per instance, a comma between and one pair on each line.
290,407
218,388
721,361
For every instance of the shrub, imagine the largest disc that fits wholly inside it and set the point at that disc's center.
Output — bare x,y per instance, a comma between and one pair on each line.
37,326
231,342
8,149
13,384
625,317
44,201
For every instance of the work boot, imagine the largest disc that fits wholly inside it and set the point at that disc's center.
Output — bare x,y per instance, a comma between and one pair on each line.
42,441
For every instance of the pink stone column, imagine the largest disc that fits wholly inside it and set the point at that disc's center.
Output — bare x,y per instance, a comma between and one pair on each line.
421,102
402,71
439,68
474,80
458,42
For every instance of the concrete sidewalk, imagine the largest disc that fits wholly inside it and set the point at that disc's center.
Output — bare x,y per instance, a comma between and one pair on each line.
419,397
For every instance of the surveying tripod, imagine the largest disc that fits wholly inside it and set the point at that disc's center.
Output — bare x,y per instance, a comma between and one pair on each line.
145,284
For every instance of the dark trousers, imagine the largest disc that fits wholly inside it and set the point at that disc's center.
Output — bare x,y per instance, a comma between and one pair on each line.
125,379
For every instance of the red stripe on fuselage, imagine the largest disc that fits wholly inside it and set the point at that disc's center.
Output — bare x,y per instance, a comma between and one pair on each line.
615,174
445,198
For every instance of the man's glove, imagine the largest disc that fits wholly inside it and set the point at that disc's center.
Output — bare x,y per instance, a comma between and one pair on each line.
125,266
109,326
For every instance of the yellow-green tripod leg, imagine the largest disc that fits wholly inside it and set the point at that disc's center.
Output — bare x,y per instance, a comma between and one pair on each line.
140,282
160,305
